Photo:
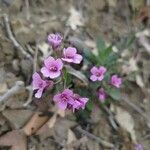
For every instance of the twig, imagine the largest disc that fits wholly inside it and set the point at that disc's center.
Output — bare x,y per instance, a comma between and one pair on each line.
31,51
12,38
111,118
14,90
99,140
29,100
27,9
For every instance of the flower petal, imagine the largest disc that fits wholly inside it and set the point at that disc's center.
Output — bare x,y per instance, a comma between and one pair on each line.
59,64
57,98
62,105
54,40
77,59
94,70
53,75
100,78
48,61
71,101
71,51
83,102
93,78
68,92
45,72
76,105
36,80
67,60
102,70
116,81
39,93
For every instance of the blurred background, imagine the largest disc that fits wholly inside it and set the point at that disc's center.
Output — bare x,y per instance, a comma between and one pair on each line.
24,26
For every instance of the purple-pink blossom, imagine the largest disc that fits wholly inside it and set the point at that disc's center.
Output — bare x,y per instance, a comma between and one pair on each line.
52,68
71,56
55,40
67,99
38,84
98,73
64,99
138,147
116,81
102,94
79,102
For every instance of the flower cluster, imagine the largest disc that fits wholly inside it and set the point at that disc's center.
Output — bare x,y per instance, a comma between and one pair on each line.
68,99
53,69
98,74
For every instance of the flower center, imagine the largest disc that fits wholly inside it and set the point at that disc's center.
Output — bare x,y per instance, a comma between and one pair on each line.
98,74
40,85
53,68
64,97
69,56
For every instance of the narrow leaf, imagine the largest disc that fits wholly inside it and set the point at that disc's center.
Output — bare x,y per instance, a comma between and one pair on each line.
114,93
77,74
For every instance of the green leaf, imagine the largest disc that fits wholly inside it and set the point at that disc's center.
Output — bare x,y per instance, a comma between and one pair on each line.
90,56
90,105
111,60
103,51
77,74
130,40
114,93
106,53
82,114
59,87
94,85
100,45
106,102
67,78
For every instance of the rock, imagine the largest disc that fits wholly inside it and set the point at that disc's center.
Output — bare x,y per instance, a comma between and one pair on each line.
17,118
93,145
15,139
4,127
61,129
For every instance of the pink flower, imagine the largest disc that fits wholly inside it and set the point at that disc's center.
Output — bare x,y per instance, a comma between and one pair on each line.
102,95
139,147
52,68
70,55
64,98
38,84
116,81
79,102
98,73
55,40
